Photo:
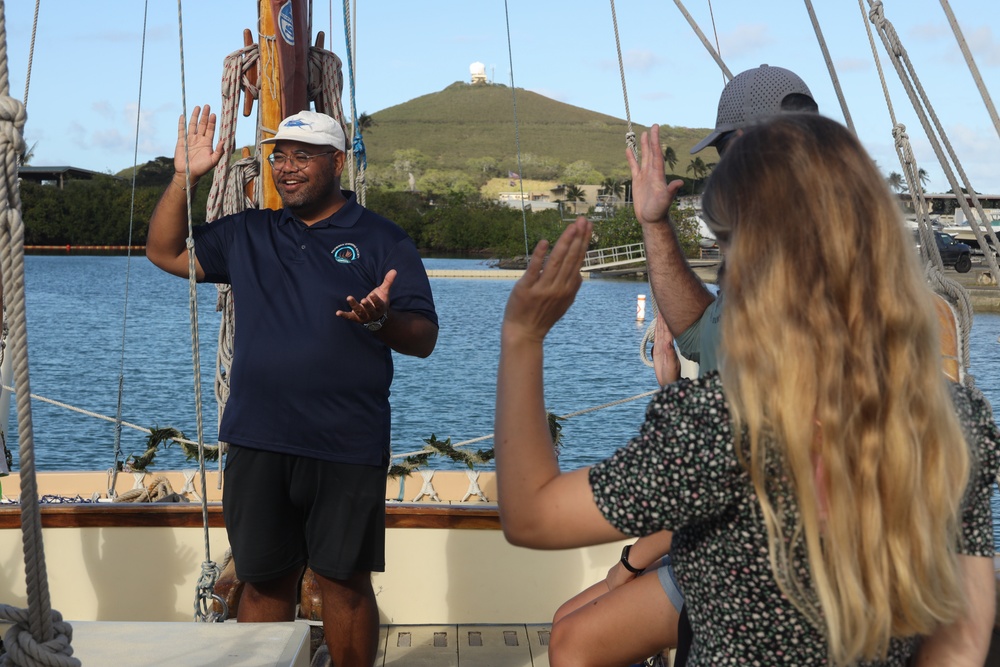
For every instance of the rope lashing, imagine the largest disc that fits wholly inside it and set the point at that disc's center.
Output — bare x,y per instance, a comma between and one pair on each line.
925,112
326,85
203,608
934,267
23,650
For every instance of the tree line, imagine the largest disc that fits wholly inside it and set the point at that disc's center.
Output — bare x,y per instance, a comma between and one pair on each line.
109,211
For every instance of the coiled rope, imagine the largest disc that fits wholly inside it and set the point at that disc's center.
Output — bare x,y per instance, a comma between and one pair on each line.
38,636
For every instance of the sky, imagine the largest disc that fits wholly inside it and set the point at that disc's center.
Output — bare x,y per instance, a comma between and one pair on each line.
98,66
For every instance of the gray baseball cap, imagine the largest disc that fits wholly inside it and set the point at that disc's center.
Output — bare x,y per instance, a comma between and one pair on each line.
750,96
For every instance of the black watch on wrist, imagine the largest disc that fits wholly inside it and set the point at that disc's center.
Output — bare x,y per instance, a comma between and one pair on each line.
375,325
628,565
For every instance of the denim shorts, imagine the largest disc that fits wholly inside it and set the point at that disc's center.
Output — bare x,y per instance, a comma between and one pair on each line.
666,575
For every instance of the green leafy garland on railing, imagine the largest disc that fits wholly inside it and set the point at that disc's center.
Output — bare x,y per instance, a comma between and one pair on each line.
162,437
437,447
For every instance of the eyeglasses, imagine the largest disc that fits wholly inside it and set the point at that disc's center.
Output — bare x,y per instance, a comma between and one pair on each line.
298,159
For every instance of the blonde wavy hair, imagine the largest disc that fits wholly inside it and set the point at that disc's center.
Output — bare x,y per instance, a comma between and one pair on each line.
831,363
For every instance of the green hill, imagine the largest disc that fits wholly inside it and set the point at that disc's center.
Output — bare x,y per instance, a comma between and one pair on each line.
465,123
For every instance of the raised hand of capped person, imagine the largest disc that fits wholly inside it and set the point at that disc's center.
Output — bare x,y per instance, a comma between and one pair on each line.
665,362
372,307
548,287
651,194
198,155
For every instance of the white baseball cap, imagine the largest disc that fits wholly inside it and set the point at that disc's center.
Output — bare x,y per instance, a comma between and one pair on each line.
310,127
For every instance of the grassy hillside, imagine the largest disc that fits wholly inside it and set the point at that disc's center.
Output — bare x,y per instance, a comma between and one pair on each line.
467,122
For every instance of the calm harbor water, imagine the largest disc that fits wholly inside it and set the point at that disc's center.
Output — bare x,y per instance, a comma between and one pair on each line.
75,330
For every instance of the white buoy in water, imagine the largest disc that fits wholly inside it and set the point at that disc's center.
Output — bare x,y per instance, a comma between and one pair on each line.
640,308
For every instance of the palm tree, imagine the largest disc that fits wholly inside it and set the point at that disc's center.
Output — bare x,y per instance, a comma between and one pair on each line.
670,157
365,122
29,153
698,169
896,182
612,187
574,193
924,177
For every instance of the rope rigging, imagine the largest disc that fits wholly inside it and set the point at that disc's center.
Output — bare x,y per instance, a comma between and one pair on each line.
38,635
209,568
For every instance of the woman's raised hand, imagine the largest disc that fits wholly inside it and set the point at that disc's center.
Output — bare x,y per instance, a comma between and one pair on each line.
547,289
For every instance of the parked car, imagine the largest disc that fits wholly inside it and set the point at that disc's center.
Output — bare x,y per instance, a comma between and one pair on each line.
953,253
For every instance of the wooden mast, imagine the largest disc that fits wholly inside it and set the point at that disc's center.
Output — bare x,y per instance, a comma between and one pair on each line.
284,74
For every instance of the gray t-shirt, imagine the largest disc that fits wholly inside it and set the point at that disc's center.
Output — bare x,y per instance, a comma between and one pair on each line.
700,341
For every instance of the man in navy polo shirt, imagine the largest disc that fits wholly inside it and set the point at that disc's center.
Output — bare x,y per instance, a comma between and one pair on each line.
323,291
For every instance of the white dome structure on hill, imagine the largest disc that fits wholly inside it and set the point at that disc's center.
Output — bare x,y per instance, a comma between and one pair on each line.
477,72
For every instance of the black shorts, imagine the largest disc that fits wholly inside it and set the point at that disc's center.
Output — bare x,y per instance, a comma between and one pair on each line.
284,511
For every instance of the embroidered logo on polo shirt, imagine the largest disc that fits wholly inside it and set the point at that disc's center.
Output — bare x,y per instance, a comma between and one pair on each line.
345,253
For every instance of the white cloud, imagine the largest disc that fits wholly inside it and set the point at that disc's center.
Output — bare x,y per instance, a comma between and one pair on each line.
929,31
853,65
640,60
747,39
984,48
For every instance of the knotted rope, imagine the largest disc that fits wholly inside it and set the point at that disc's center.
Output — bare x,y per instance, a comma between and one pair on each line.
934,267
24,651
34,632
925,112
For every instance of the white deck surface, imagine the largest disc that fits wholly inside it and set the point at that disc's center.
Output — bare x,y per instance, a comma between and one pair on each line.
191,644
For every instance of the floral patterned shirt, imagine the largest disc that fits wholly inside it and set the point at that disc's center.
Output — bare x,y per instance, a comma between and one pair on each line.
682,474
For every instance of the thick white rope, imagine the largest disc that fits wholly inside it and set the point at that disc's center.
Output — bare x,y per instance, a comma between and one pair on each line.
934,267
35,629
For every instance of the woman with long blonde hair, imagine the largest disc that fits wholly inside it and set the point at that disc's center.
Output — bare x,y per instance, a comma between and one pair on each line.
827,489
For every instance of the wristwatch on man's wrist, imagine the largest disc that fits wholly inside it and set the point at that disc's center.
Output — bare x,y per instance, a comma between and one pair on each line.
625,563
375,325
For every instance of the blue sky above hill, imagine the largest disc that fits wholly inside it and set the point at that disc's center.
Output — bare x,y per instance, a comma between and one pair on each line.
84,96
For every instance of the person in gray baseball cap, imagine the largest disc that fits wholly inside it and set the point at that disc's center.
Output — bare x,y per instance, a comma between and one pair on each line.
691,311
